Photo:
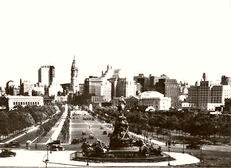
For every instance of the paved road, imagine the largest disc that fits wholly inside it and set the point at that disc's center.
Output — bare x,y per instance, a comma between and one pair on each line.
31,158
53,133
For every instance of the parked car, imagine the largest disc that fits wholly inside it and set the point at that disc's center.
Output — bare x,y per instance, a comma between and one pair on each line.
12,144
7,153
56,147
54,142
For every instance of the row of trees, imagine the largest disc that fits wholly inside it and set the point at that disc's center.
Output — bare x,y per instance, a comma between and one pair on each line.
65,129
196,124
23,117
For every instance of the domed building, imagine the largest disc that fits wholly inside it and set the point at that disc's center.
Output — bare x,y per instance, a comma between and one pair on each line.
154,99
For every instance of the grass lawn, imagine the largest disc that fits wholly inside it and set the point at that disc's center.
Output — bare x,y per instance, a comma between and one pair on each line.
209,158
214,159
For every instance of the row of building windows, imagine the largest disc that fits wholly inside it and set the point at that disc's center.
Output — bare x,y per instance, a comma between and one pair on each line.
25,103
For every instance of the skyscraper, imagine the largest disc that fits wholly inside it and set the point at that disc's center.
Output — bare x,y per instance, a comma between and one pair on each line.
46,75
206,96
99,86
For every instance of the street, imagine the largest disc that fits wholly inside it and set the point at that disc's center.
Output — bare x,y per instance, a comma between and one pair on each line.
81,122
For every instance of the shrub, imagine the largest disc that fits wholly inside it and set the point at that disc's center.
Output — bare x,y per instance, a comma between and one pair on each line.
104,132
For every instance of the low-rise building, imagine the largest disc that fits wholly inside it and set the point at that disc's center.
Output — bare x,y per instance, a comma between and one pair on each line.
154,99
13,101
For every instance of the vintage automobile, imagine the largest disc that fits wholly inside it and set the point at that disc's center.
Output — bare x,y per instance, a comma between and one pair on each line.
12,144
57,142
7,153
56,147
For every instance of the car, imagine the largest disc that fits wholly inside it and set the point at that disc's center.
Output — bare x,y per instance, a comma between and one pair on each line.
54,142
7,153
56,147
12,144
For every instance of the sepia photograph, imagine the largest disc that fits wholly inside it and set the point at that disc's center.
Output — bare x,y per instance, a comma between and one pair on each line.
115,83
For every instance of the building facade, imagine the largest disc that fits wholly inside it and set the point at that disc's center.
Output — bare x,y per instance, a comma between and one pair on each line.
206,96
143,81
125,87
225,80
46,75
24,101
155,100
152,81
169,88
26,87
99,86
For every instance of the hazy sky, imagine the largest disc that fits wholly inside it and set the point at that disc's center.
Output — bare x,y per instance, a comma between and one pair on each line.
179,38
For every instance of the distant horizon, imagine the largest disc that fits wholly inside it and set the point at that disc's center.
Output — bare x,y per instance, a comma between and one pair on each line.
98,74
182,39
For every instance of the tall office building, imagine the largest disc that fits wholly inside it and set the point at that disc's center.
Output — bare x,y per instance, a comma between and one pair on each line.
46,75
121,85
152,81
206,96
99,86
74,88
26,87
143,81
169,88
126,87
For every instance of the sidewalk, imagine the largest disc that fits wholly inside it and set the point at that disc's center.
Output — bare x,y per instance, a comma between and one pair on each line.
62,159
29,158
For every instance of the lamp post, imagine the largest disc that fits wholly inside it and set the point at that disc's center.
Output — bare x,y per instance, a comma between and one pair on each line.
87,159
168,155
169,146
183,141
201,159
47,159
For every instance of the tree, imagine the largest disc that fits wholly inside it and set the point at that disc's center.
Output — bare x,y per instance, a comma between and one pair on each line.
4,120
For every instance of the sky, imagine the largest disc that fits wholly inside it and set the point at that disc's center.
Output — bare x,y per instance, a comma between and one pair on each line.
179,38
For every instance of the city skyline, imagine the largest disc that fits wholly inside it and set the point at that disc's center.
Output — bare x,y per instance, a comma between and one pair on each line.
182,39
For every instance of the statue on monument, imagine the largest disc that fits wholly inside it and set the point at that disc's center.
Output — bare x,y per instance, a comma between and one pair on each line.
120,136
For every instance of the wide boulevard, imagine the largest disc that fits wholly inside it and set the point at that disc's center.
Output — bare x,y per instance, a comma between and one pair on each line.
82,124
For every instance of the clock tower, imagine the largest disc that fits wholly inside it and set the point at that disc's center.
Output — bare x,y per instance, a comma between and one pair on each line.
74,74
